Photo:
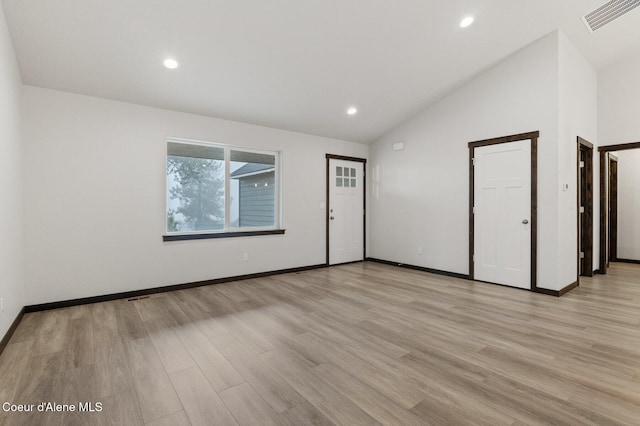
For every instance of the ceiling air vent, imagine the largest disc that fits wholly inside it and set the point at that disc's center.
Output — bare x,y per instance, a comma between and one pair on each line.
608,12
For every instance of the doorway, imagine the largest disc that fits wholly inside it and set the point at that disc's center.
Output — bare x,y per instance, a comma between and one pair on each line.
613,208
346,214
503,210
585,208
609,248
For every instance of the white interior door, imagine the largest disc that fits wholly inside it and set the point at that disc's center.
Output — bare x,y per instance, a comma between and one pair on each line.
502,201
346,211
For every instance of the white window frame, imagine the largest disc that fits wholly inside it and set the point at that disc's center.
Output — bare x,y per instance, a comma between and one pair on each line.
228,229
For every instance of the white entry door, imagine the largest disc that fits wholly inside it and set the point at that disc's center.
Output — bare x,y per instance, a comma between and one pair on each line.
346,211
502,201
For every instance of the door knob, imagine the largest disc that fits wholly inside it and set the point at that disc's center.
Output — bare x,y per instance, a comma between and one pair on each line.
525,221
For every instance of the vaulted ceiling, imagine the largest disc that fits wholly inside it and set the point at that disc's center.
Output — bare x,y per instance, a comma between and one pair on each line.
291,64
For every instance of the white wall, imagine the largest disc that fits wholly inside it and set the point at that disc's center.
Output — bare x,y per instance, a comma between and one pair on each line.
629,204
95,198
619,103
420,195
11,243
578,117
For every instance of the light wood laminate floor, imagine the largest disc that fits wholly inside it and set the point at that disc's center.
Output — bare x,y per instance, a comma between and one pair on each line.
359,344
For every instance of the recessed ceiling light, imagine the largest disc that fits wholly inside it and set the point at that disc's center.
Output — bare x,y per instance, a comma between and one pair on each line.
352,110
466,21
171,64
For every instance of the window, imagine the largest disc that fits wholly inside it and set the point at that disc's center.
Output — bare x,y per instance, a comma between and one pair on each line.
218,189
345,181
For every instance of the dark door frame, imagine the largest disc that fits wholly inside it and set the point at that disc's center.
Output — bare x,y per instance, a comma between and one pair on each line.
613,209
603,150
364,201
584,198
533,136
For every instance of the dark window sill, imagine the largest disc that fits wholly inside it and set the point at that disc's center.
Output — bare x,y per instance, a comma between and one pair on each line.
184,237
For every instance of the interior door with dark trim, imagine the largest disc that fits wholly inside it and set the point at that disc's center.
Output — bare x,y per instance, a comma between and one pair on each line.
585,208
503,210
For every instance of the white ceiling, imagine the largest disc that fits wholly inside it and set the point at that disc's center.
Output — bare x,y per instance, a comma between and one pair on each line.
291,64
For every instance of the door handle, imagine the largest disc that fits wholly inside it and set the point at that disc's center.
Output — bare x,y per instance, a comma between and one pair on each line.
525,221
332,218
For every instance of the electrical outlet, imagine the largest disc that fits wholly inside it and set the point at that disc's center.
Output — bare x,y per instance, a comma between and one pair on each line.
419,250
245,257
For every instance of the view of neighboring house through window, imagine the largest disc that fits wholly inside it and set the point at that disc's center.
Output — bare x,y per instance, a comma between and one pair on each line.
217,188
254,195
